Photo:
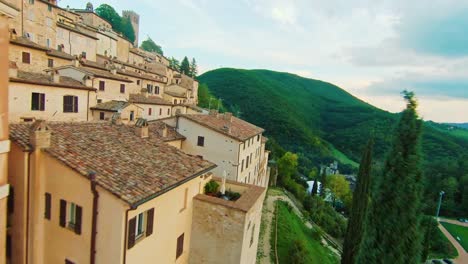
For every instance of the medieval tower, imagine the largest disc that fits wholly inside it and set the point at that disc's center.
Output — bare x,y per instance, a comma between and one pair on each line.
135,20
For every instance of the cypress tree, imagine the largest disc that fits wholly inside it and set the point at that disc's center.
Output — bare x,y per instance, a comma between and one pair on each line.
323,183
185,66
314,187
393,232
361,198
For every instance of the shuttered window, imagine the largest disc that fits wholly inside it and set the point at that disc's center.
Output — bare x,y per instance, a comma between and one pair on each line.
78,219
11,200
71,218
131,232
102,85
201,141
26,57
101,115
247,163
149,222
70,104
37,101
122,88
168,111
139,227
48,203
63,213
50,63
160,111
150,111
180,246
157,90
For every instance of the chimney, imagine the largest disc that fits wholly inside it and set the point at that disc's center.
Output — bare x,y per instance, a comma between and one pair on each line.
13,70
164,131
144,92
39,135
88,82
141,128
55,76
228,117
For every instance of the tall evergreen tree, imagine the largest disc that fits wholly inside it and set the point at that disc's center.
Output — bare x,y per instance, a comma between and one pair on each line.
314,187
323,182
361,198
393,231
193,68
185,66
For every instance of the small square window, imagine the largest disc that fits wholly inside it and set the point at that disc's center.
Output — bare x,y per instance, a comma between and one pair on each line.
26,58
102,85
201,141
50,63
122,88
102,116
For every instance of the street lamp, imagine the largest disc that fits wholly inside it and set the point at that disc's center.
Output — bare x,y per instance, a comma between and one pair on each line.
440,201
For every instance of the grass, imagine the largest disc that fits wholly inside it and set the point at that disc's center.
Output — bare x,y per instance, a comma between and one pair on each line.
458,231
290,229
341,157
444,249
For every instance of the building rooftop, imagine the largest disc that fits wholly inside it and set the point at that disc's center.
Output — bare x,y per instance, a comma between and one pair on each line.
157,127
47,80
60,54
132,168
141,99
25,42
176,90
235,128
111,106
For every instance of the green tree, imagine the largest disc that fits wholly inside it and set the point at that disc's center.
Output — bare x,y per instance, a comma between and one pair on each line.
127,29
314,188
394,234
287,167
193,68
323,183
149,45
464,194
360,204
174,63
313,173
185,66
338,186
298,253
119,24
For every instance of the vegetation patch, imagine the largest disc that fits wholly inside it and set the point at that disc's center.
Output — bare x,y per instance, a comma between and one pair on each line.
297,243
457,231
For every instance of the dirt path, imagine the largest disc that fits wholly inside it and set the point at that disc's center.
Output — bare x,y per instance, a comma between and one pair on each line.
455,222
267,218
462,255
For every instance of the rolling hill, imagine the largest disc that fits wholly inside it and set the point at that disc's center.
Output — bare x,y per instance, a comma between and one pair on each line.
321,121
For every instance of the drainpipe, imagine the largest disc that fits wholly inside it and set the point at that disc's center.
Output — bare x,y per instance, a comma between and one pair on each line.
126,232
87,108
92,177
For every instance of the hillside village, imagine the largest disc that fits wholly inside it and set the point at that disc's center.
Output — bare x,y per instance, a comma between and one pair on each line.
105,155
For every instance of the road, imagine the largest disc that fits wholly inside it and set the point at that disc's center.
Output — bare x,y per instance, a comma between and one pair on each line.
462,255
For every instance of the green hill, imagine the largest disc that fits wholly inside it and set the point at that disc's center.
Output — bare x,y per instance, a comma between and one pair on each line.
321,121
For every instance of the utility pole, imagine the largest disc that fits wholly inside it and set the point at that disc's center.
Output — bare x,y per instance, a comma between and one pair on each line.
440,201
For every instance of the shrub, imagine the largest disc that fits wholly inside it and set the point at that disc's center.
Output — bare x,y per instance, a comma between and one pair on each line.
211,187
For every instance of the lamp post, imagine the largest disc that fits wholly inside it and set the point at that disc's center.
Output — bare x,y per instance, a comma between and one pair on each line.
440,201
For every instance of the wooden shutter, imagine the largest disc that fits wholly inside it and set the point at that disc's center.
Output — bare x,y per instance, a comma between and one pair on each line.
48,201
75,104
131,232
26,57
180,246
42,102
149,222
63,213
78,216
11,200
66,103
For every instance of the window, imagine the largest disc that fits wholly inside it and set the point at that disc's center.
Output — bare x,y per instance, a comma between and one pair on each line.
8,247
31,2
157,90
83,55
180,246
70,218
26,57
149,87
50,63
201,141
49,8
132,115
138,82
70,104
168,111
175,101
48,202
59,47
48,43
244,145
99,101
160,111
102,85
150,111
38,102
122,88
247,163
242,166
258,138
140,226
101,115
250,158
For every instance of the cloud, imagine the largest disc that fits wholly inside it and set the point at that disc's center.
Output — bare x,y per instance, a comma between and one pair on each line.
284,14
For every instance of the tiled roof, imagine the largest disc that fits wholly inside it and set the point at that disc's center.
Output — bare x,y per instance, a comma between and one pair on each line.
156,128
93,64
106,74
59,54
112,106
47,80
139,75
76,30
239,129
132,168
22,41
141,99
176,90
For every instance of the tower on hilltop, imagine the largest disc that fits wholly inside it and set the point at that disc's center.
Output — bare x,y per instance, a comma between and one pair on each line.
135,20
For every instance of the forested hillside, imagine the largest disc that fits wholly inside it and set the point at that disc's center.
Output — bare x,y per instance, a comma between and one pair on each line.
315,119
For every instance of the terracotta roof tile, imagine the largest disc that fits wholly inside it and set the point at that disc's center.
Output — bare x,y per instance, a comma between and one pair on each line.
47,80
112,106
141,99
22,41
239,129
132,168
176,90
59,54
106,74
156,128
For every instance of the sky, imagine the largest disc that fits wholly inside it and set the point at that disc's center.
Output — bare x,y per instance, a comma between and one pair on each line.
374,49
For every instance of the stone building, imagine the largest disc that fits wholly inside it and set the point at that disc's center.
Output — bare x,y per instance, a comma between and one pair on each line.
135,21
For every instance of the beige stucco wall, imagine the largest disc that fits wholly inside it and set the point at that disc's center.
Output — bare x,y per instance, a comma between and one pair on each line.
112,90
135,58
74,43
123,49
39,22
219,149
175,143
155,111
252,230
252,150
170,221
106,45
38,59
124,114
20,103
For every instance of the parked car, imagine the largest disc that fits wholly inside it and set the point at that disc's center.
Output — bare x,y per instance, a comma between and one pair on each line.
448,261
463,220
